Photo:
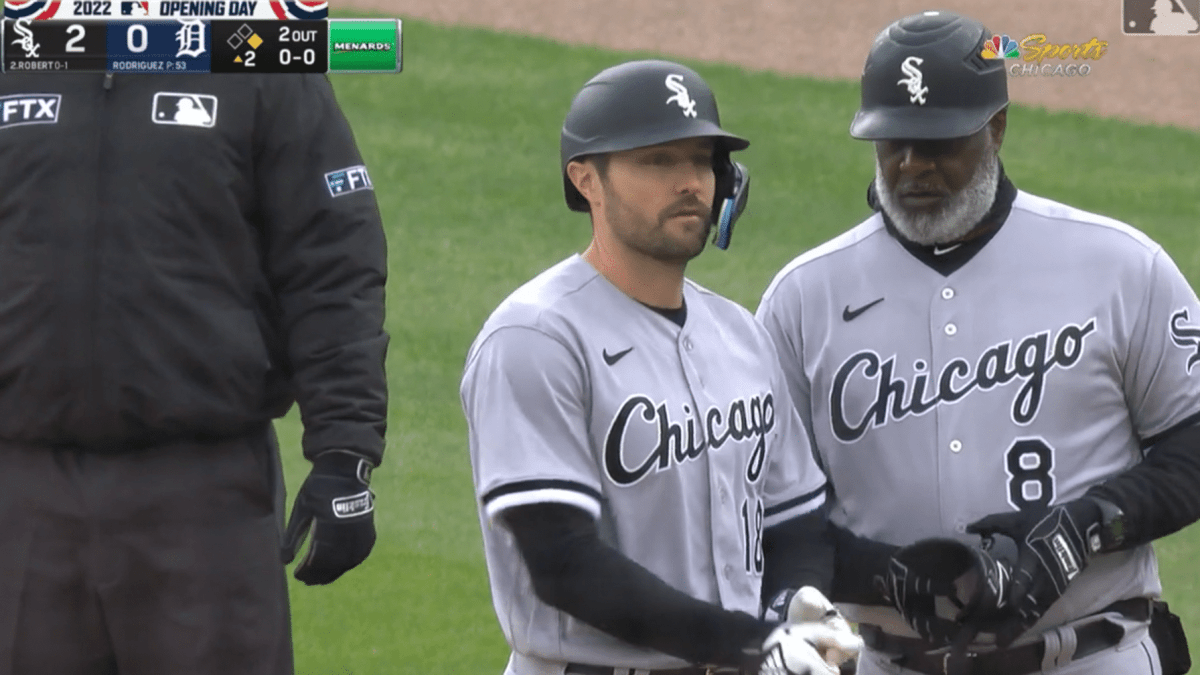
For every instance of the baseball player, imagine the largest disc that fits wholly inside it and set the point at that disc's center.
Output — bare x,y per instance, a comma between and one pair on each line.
638,463
976,363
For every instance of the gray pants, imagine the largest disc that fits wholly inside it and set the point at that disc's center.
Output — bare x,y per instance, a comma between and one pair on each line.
1134,655
144,562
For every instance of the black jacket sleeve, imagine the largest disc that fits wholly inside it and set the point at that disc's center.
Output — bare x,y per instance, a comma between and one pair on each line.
798,552
575,572
1161,494
325,258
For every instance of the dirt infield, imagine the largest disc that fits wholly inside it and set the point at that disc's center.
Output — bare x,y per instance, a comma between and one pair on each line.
1148,78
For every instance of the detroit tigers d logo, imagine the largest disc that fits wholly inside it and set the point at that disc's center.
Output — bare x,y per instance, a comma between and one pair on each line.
1186,336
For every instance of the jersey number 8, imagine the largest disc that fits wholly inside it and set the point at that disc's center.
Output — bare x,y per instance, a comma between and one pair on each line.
1029,463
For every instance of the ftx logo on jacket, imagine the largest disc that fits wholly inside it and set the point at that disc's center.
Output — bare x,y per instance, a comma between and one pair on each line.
18,109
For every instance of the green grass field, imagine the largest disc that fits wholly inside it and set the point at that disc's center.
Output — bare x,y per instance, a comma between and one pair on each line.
463,150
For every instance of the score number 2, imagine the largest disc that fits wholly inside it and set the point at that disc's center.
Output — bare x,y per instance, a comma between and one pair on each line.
77,32
137,30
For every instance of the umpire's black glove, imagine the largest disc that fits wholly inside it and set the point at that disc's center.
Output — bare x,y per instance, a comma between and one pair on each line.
335,502
1054,545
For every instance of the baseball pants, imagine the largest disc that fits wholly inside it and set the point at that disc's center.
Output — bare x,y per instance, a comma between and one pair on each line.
144,562
1135,654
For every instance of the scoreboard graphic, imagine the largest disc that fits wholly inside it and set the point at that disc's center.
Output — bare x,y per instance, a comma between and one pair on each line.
307,10
201,45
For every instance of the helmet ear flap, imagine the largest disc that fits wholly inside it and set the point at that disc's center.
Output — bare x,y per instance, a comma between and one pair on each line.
729,200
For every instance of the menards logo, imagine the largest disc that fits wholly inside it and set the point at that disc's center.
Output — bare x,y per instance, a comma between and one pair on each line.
362,47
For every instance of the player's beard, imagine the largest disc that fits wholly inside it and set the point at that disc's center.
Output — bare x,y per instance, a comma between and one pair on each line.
649,235
957,216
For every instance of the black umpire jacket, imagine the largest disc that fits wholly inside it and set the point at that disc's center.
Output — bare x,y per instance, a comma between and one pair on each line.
184,256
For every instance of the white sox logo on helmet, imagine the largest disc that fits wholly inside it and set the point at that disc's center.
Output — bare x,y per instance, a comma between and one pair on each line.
681,97
1030,360
1185,336
682,442
915,79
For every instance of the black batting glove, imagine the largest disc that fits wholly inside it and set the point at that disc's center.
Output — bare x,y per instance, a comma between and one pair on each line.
1054,544
336,504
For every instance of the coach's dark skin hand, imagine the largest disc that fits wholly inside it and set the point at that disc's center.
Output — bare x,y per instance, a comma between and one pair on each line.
336,504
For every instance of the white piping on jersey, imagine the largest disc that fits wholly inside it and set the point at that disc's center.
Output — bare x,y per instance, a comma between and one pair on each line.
798,510
1052,210
867,228
542,496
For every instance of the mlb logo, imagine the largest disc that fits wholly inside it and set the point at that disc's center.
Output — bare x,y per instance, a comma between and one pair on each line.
345,181
135,8
188,110
1161,17
19,109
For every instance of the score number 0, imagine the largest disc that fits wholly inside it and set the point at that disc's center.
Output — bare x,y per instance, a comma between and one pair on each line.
77,32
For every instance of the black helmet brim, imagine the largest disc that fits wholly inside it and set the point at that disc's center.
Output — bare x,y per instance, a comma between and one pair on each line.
909,122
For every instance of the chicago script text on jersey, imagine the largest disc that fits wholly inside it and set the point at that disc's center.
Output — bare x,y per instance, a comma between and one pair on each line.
678,442
999,364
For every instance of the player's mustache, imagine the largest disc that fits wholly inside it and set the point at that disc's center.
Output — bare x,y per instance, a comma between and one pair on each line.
687,207
916,187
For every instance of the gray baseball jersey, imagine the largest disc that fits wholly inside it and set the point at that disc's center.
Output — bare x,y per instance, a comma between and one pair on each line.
1042,366
681,441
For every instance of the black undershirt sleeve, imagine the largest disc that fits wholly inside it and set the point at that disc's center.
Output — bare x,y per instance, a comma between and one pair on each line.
577,573
798,552
1161,494
858,562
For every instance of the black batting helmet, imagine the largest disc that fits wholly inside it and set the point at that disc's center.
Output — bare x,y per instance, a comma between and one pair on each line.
643,103
926,77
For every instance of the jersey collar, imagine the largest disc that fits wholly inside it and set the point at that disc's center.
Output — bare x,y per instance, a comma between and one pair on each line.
947,262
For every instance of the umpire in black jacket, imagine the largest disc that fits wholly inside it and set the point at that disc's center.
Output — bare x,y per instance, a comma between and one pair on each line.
182,257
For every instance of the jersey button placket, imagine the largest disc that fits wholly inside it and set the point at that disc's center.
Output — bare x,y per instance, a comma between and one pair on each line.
949,329
941,314
688,348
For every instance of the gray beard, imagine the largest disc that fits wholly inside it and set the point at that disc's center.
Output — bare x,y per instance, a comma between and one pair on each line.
958,216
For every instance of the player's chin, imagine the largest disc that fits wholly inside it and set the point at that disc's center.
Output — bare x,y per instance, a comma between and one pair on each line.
681,248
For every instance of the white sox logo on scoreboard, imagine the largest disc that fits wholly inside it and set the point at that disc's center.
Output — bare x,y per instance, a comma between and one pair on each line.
1029,361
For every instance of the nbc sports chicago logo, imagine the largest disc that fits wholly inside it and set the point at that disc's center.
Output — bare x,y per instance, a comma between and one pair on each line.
1037,56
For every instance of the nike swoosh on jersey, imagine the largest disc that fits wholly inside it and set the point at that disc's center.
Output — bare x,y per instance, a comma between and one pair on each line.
938,250
852,314
611,359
